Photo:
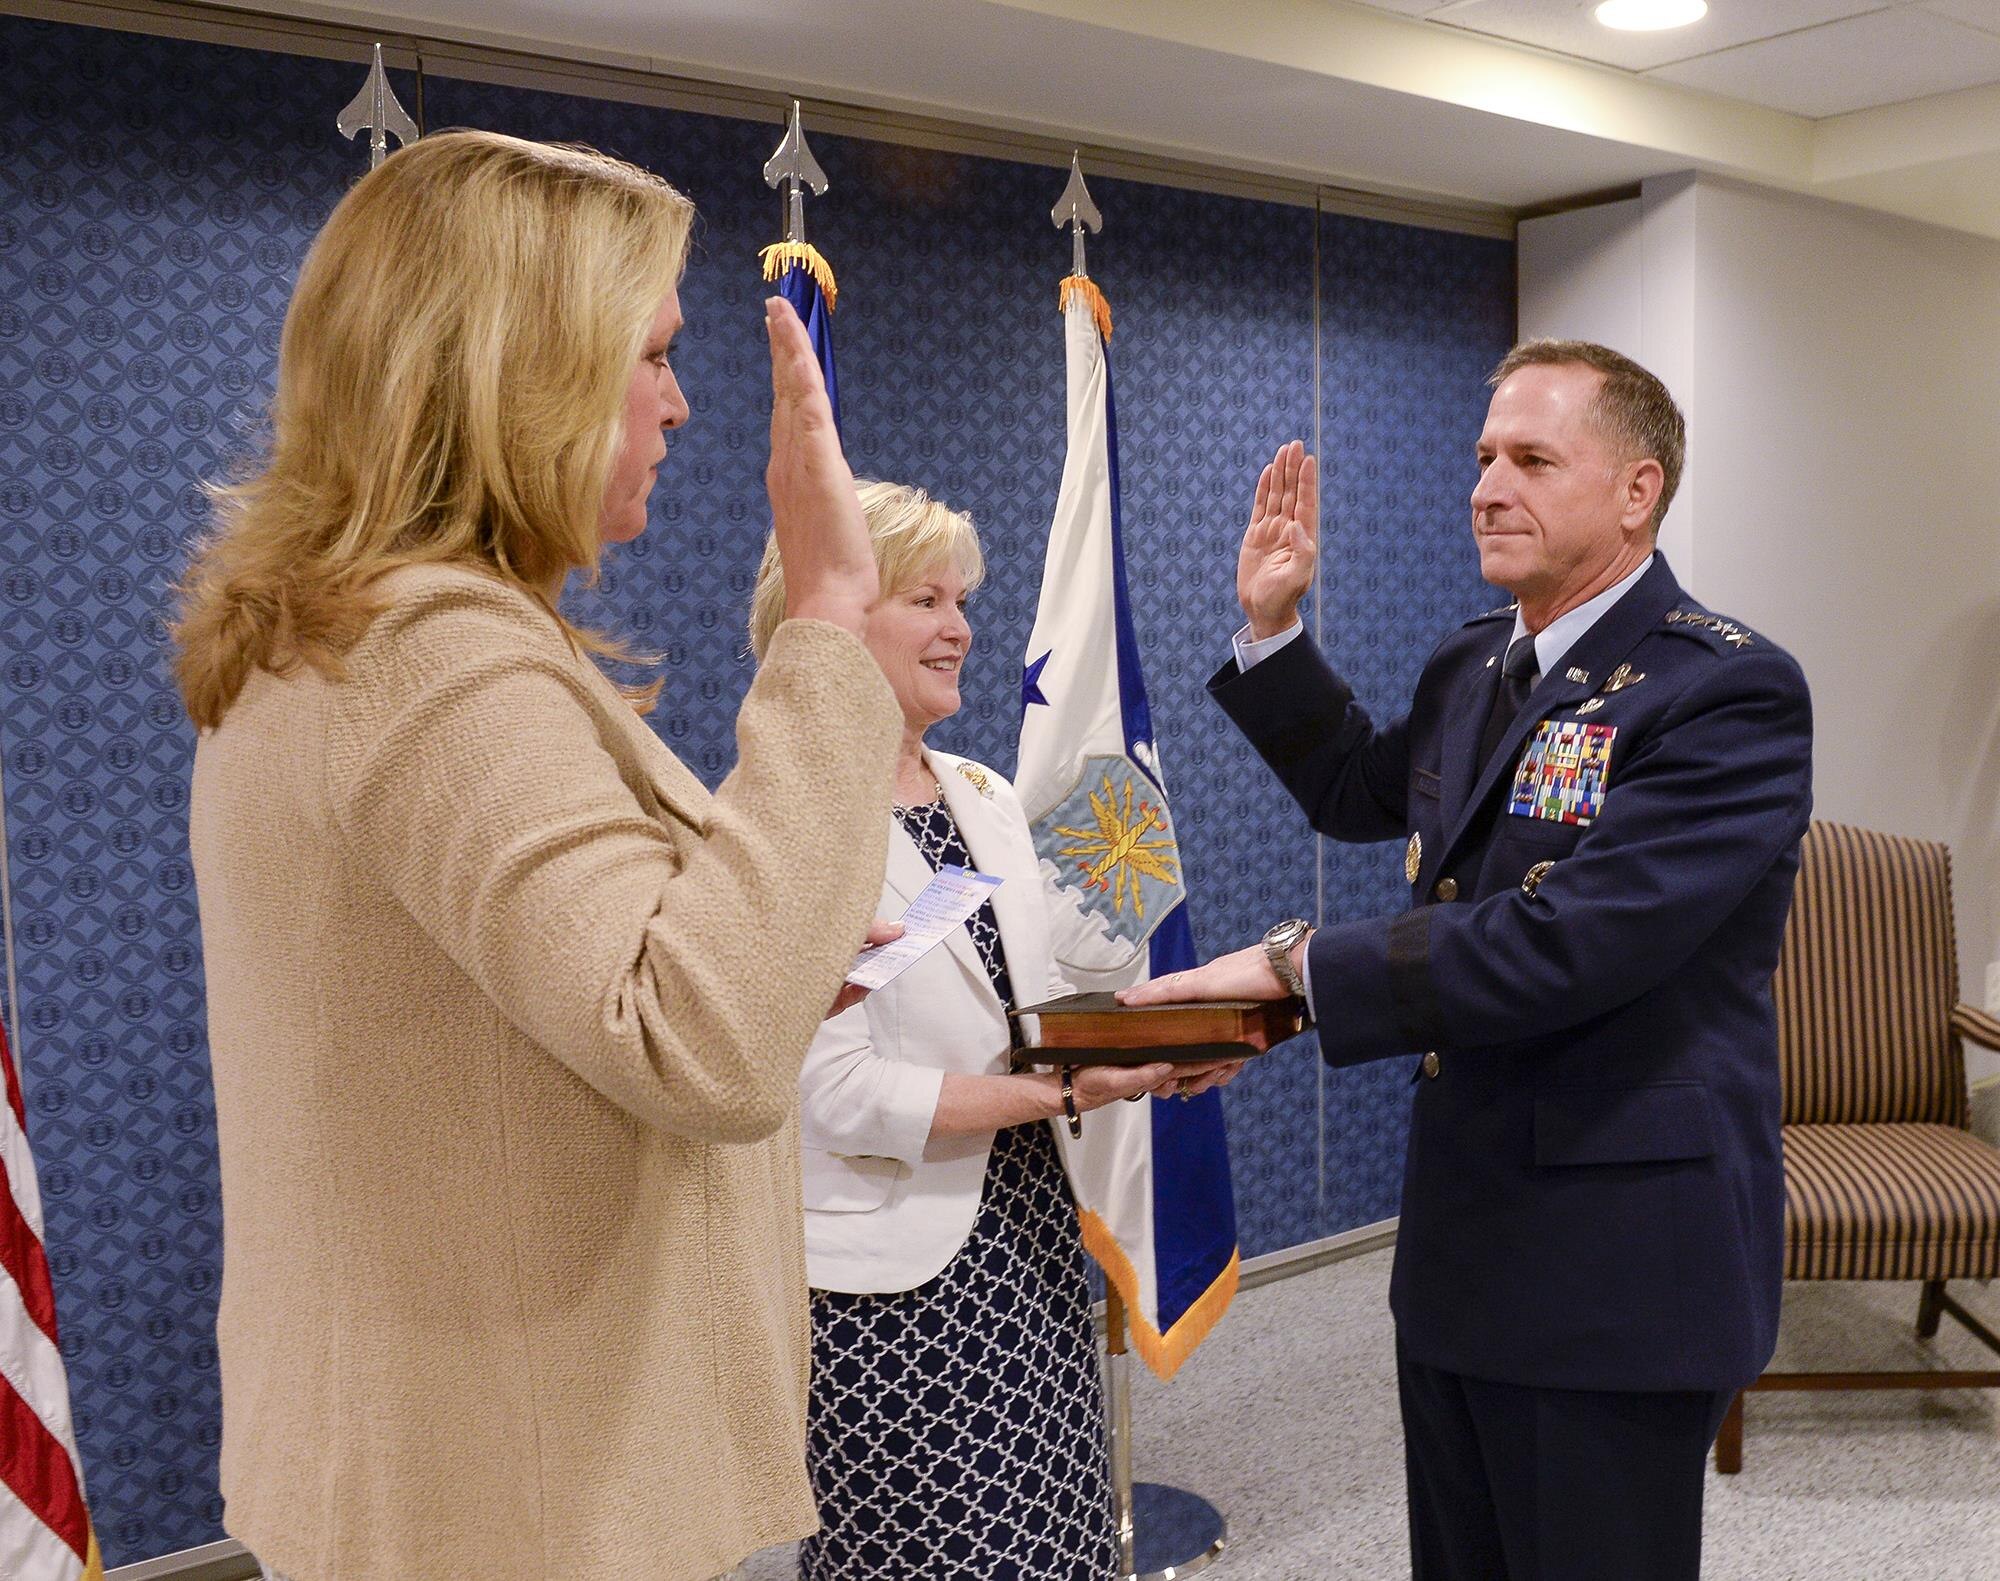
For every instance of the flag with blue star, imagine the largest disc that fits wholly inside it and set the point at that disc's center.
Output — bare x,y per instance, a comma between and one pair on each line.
1031,683
1153,1187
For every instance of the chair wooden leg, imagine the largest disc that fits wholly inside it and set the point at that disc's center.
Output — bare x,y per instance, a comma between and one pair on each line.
1930,1307
1729,1440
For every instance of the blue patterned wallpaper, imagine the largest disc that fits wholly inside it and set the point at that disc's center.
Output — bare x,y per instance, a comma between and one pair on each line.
159,196
1411,323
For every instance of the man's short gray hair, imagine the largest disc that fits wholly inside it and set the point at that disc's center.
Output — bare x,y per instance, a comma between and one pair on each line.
1633,408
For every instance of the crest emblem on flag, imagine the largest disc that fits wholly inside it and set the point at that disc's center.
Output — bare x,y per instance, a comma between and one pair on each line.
1112,840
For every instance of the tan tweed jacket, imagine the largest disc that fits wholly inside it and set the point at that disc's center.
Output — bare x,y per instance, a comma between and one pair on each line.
506,1015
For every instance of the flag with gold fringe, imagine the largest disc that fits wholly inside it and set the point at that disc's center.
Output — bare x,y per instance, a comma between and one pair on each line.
803,276
45,1530
805,279
1152,1179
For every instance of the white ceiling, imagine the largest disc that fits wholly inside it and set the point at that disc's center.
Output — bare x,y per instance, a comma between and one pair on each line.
1814,58
1512,103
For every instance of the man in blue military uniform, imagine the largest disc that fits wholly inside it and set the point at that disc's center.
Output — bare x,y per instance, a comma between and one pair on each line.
1601,790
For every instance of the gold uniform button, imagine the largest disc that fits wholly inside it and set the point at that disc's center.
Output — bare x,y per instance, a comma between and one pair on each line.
1447,889
1430,1066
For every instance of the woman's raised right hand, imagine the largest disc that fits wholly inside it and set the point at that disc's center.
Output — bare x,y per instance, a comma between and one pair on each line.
822,537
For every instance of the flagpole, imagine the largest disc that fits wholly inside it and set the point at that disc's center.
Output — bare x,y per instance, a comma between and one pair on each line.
1164,1533
798,269
1118,1421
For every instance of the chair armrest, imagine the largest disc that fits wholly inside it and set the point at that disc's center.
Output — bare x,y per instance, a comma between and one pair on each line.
1976,1025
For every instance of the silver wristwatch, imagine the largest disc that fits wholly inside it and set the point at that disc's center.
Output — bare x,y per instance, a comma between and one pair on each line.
1278,944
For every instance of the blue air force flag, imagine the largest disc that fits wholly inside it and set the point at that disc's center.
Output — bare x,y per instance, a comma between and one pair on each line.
805,279
1152,1178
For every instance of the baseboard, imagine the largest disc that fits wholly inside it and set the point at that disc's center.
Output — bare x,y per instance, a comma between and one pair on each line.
227,1560
1286,1263
1357,1242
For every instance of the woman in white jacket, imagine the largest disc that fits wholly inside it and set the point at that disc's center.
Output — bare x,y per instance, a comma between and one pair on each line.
956,1425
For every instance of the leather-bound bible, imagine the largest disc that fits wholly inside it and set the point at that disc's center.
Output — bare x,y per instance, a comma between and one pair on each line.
1095,1029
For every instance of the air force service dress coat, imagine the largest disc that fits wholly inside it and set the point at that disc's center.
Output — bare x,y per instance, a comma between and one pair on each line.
1593,1194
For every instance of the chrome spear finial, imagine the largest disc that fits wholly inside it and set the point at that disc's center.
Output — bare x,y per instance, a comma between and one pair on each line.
375,110
1075,210
794,169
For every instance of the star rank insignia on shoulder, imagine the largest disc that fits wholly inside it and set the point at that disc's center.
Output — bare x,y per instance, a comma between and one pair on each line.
1732,635
1494,614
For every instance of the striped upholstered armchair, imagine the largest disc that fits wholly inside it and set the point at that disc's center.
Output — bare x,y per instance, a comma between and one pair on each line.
1882,1178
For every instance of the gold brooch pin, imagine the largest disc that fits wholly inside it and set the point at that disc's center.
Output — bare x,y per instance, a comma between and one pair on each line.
1589,707
1413,858
1623,677
1531,881
979,780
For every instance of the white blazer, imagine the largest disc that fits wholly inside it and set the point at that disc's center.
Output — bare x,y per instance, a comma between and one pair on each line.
887,1207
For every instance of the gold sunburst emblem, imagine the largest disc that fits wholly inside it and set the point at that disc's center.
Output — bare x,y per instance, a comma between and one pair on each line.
1114,854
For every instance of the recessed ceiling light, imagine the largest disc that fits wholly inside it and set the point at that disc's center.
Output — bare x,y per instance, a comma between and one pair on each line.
1650,16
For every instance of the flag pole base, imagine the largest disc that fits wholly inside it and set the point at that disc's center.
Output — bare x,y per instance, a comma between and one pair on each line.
1164,1533
1174,1533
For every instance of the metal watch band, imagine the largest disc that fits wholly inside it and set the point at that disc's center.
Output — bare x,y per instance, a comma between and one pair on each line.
1278,942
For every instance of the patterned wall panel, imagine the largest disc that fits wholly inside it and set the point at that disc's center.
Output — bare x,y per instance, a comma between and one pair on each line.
1412,321
159,198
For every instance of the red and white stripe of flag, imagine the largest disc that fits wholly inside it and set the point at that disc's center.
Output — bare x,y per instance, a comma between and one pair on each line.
44,1528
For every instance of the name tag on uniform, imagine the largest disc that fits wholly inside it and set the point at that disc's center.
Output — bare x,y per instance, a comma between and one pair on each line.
1564,773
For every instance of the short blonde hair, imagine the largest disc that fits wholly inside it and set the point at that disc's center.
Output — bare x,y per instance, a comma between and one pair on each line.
911,533
451,388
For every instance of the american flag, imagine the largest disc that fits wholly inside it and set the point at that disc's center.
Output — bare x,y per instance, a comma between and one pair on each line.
44,1528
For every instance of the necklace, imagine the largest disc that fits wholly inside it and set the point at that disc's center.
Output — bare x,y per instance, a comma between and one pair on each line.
930,798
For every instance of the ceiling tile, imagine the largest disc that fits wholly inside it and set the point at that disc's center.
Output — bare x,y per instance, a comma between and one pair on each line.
1405,7
1570,26
1882,58
1982,14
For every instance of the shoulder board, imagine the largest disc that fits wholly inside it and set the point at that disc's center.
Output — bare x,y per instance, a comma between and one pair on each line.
1725,633
1508,610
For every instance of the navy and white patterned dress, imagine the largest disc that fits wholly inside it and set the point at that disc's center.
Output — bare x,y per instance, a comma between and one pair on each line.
956,1431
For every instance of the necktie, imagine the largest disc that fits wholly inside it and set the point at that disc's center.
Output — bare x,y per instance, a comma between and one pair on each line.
1518,674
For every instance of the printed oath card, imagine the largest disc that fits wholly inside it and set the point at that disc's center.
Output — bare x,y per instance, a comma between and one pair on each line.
945,902
1564,772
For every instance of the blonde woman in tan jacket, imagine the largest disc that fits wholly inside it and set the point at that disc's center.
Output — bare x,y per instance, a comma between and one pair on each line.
506,1011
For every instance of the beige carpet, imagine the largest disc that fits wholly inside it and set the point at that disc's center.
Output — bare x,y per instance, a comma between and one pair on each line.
1286,1419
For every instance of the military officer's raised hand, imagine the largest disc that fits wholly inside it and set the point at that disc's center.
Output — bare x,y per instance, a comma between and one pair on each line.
1274,571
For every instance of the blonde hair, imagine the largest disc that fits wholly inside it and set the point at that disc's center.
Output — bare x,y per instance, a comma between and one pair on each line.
910,531
451,388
